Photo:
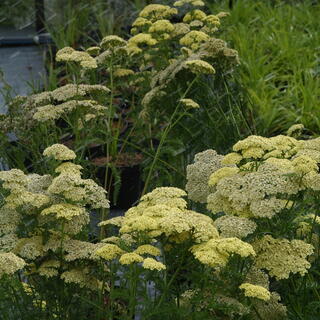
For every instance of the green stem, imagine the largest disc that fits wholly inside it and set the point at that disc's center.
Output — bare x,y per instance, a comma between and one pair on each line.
170,125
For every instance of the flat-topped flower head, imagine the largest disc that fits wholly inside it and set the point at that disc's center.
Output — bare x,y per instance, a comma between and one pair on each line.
69,167
194,39
200,67
123,73
232,158
253,142
212,21
282,257
141,22
169,196
152,264
109,252
13,179
129,258
232,226
216,252
64,210
93,51
198,174
195,3
161,26
148,249
222,173
141,39
155,12
68,54
194,15
111,42
253,291
10,263
59,152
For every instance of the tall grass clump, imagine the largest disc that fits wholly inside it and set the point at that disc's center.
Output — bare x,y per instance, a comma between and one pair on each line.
278,42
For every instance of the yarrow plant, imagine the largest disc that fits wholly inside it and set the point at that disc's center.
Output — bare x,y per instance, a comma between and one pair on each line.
116,87
266,192
44,241
44,232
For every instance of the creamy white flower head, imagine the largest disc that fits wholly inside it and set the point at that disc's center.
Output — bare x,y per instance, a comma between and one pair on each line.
10,263
253,291
59,152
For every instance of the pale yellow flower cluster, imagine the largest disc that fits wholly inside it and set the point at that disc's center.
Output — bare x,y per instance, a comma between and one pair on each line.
216,252
111,42
30,248
10,263
16,181
200,67
130,257
93,51
161,29
70,91
163,211
81,250
59,152
72,187
69,168
154,12
152,264
196,3
64,211
148,249
136,42
68,54
123,73
194,15
189,103
268,171
282,257
295,130
253,291
81,277
53,112
109,252
194,39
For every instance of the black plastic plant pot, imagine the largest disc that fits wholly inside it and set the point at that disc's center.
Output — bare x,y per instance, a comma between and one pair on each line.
124,190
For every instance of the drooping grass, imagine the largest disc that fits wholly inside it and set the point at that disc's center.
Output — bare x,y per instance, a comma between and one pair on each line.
278,44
